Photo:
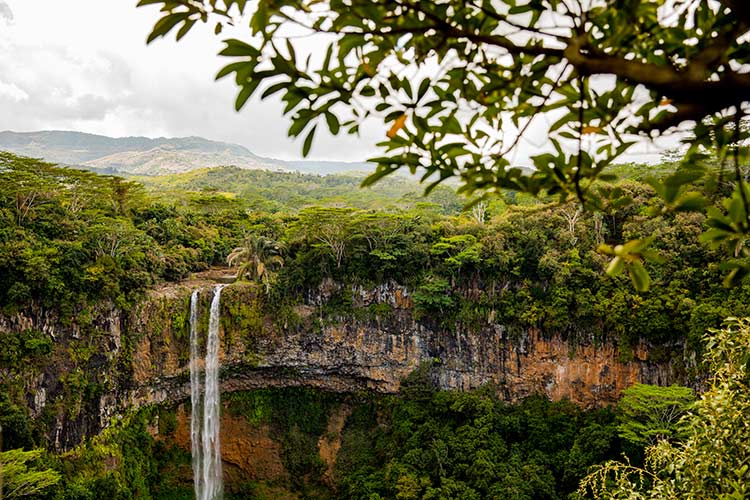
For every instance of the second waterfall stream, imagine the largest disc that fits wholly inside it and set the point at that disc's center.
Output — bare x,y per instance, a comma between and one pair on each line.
204,425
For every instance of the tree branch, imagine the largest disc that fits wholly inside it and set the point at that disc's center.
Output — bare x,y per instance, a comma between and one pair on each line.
579,162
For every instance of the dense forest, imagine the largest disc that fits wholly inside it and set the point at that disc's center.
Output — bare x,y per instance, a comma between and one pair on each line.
71,239
418,444
497,338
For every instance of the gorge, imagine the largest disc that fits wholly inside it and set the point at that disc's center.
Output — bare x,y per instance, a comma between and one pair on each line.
151,357
532,282
408,351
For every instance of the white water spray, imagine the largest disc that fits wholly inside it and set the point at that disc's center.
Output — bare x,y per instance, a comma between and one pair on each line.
195,398
206,446
213,487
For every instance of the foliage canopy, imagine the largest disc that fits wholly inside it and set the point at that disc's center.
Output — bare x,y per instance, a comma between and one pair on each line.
712,462
649,413
459,84
526,266
20,478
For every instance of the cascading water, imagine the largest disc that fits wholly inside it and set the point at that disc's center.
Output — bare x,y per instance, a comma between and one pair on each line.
195,398
212,483
206,446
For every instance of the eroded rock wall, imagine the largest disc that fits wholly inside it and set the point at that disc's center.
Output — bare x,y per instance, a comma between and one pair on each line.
352,353
142,358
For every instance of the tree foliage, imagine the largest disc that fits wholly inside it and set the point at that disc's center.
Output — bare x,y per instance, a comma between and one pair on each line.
712,462
19,478
531,265
460,84
287,192
649,413
446,445
325,228
258,258
521,267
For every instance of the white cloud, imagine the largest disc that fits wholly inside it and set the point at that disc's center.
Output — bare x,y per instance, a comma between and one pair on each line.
12,92
84,65
5,12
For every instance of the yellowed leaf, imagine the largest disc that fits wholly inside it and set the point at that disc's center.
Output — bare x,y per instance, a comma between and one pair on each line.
590,129
397,125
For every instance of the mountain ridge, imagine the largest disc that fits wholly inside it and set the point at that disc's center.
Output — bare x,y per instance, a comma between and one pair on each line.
138,155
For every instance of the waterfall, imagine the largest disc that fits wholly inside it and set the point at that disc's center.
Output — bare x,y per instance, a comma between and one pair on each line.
195,398
213,487
206,446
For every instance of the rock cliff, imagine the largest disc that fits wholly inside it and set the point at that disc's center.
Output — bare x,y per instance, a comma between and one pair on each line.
124,361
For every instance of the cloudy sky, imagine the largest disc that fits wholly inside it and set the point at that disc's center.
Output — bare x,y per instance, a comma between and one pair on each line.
84,65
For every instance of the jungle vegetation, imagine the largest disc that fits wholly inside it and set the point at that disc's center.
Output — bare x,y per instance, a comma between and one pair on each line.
71,241
594,77
460,87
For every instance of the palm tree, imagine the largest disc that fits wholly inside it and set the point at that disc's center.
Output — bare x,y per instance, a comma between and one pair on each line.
257,259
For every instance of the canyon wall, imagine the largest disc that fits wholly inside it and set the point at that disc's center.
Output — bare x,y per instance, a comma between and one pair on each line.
124,361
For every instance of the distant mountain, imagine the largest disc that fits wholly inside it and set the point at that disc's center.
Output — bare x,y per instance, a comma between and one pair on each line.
146,156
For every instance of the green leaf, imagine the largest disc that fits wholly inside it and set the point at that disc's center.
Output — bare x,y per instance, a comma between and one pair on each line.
231,68
308,141
297,126
290,50
141,3
634,246
276,87
615,266
605,249
639,276
381,171
165,25
692,201
713,236
244,95
238,48
423,88
185,28
260,19
333,122
520,9
451,125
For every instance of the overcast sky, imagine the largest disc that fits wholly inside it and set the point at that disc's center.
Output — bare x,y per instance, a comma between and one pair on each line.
84,65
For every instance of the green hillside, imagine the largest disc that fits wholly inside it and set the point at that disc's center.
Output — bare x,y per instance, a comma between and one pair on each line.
269,191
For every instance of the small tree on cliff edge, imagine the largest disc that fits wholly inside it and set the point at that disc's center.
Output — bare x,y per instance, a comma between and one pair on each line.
458,84
649,413
713,461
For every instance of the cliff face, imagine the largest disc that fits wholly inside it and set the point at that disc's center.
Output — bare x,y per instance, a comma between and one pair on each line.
142,358
70,389
247,451
353,353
